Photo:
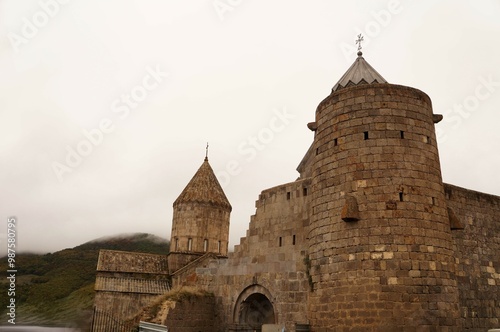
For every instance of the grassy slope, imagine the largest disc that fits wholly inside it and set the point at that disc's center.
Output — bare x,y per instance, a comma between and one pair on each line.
58,289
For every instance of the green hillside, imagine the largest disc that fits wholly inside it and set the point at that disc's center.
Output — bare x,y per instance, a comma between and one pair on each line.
57,289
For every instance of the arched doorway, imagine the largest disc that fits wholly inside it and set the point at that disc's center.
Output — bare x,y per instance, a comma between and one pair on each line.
254,307
256,310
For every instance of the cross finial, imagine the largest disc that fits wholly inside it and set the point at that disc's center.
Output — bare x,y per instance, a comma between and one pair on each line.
358,41
206,152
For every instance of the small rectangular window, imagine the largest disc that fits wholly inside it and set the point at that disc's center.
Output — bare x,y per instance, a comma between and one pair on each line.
218,247
280,241
288,195
176,244
205,245
401,196
293,240
402,133
433,200
317,151
365,135
190,244
304,191
428,140
335,142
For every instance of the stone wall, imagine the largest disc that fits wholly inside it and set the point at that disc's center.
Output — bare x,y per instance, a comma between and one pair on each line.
126,282
206,225
183,309
197,228
177,260
192,314
381,249
122,306
270,261
477,252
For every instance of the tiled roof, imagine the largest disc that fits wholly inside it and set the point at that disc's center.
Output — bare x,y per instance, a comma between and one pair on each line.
360,72
131,285
204,188
133,262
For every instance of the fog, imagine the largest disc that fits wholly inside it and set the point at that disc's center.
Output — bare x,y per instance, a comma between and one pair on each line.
106,106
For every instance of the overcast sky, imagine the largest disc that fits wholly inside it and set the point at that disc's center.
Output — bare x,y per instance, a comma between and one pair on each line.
106,106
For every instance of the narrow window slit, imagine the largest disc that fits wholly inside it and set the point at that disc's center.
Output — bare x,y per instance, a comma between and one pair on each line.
293,240
304,191
401,196
365,135
335,142
280,241
288,195
402,133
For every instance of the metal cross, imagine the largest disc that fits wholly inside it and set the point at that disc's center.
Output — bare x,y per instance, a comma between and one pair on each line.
359,40
206,153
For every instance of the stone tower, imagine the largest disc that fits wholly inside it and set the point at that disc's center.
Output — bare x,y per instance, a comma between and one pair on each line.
200,222
380,247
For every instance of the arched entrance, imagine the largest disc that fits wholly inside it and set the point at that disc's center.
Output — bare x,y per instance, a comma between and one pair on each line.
254,308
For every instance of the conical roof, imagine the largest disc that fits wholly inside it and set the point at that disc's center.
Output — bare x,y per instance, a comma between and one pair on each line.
360,72
204,188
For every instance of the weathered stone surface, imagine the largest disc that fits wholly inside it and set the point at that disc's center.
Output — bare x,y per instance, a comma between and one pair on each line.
477,256
191,314
401,209
437,118
455,222
350,211
132,262
131,285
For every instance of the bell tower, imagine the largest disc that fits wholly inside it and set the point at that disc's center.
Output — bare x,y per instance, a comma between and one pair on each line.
200,222
380,241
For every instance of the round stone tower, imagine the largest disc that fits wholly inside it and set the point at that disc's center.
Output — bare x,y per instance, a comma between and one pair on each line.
200,222
380,241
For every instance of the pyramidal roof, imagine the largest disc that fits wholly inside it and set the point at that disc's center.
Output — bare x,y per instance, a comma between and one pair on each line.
360,72
204,188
